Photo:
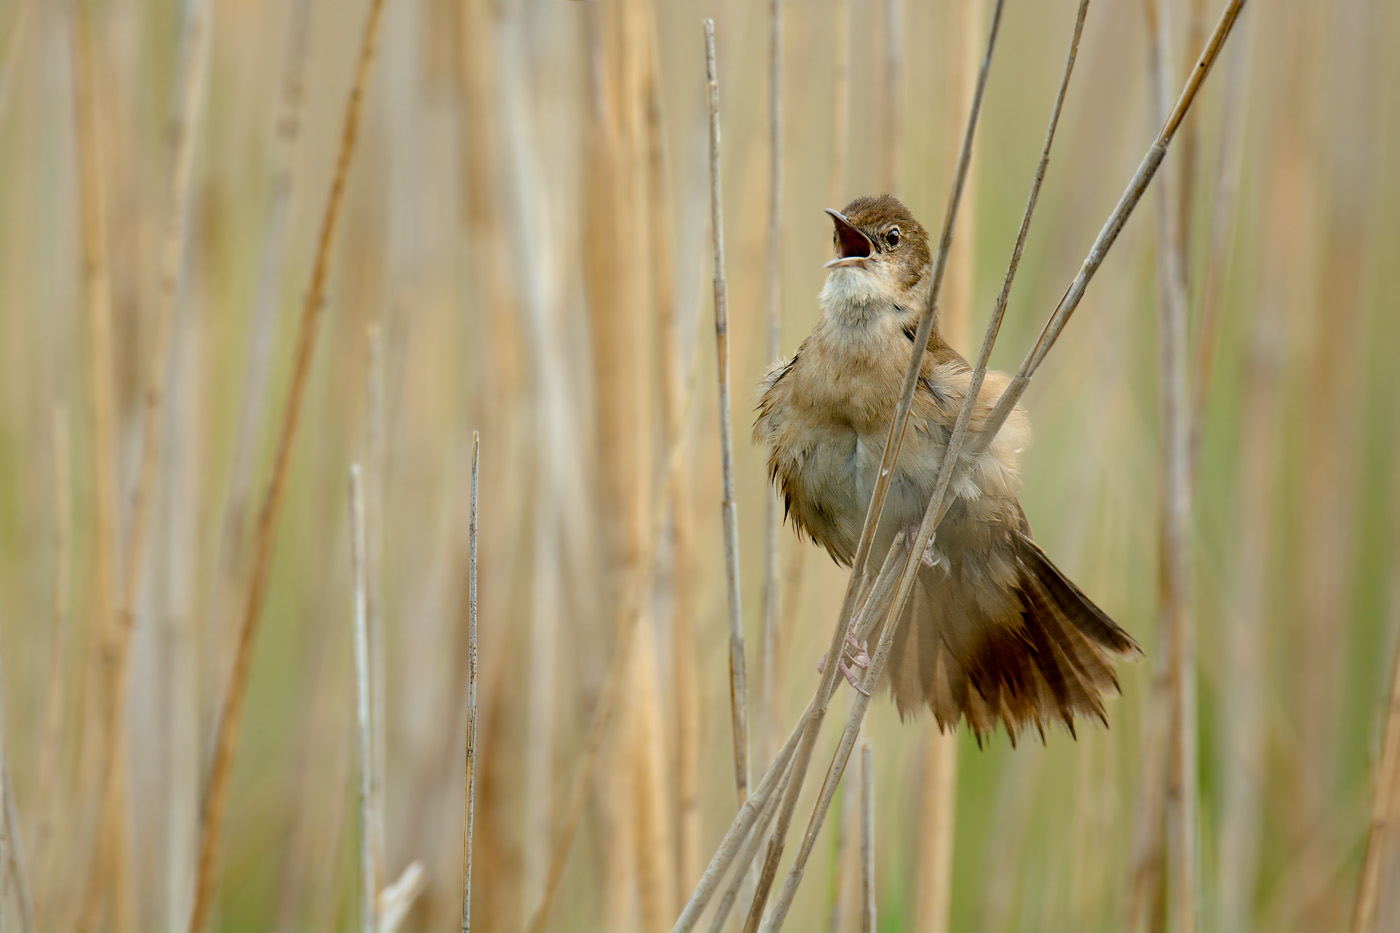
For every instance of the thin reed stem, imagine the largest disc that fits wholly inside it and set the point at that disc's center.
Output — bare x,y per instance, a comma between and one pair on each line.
92,198
738,879
738,833
471,693
192,86
738,680
231,711
867,838
364,747
58,639
767,704
375,476
1182,804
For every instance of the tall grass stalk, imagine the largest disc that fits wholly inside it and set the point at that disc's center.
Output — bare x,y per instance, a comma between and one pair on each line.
738,678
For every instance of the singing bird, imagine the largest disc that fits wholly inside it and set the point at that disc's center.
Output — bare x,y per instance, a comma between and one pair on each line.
993,632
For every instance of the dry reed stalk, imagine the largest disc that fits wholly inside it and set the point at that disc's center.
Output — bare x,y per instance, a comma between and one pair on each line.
376,476
193,83
637,594
767,702
742,878
673,378
867,839
1010,396
92,198
892,112
470,792
222,614
618,292
226,737
58,638
1181,799
1243,730
738,681
937,814
364,742
750,811
840,106
840,894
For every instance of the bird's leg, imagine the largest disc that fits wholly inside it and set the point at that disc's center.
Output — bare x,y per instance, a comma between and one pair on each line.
853,654
911,535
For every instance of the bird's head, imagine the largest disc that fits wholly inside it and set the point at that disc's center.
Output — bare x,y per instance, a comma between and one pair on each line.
882,259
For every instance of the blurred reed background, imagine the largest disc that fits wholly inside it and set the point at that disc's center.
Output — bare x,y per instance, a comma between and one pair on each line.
522,250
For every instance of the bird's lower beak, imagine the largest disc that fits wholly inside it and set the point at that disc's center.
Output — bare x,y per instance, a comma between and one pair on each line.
852,246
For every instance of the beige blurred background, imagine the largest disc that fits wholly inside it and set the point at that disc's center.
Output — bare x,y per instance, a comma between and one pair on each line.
523,251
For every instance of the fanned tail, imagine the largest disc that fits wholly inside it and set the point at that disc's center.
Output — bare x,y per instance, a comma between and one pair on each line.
1039,653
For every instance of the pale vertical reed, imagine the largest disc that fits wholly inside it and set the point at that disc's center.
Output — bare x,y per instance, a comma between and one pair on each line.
92,200
374,481
867,838
185,123
364,742
1242,744
618,291
738,682
767,703
1176,600
231,710
44,848
674,378
470,792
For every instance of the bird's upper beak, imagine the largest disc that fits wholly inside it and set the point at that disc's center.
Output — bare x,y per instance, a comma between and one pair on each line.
854,245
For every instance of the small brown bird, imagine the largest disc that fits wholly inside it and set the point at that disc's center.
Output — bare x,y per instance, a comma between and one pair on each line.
993,632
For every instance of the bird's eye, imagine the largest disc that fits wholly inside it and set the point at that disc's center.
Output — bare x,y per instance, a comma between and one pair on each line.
892,237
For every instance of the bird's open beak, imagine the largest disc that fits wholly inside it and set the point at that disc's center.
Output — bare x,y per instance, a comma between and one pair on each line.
854,246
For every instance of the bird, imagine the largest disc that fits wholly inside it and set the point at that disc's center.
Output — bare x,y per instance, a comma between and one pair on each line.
993,633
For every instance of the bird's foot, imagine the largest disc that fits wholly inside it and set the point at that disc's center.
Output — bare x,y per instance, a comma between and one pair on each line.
853,655
911,537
